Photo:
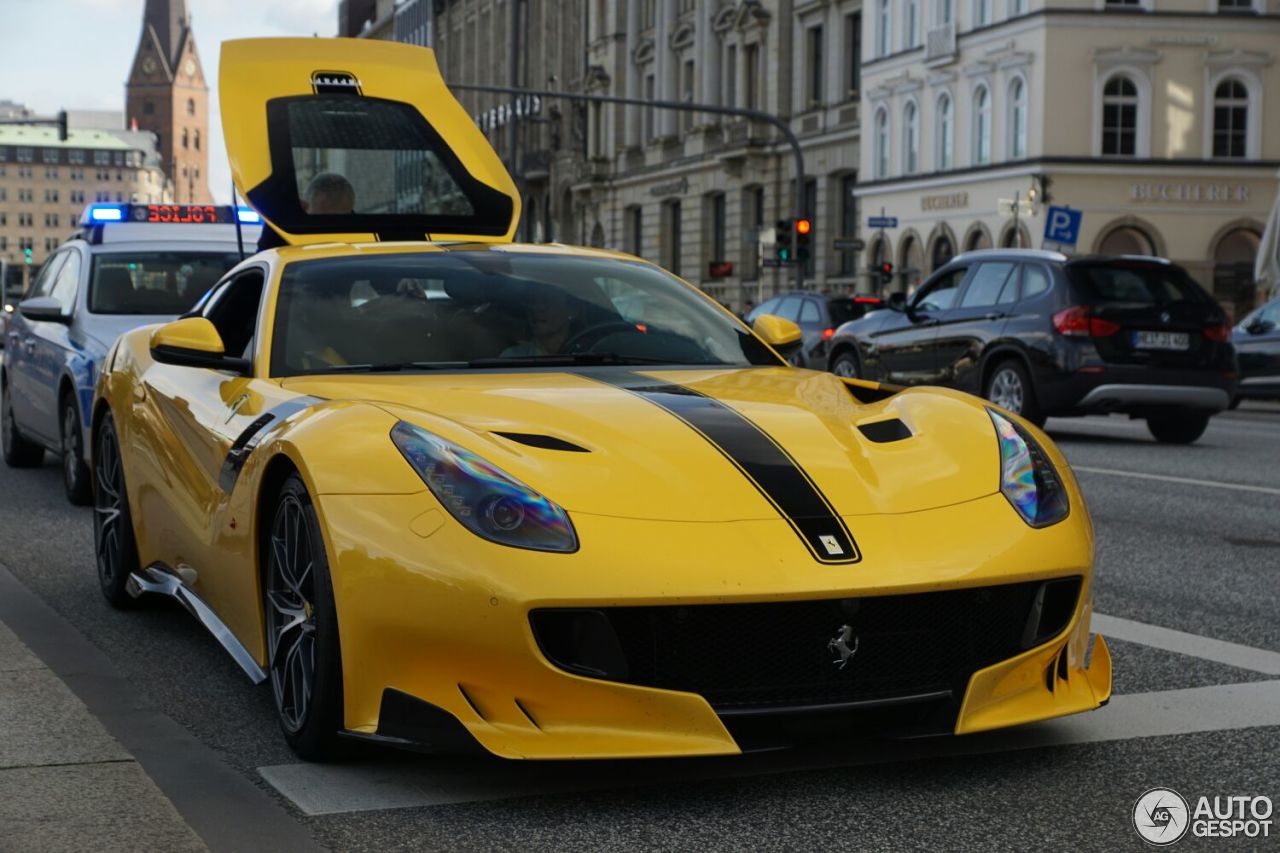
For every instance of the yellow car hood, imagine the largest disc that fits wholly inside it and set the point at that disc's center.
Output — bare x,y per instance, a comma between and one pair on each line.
645,462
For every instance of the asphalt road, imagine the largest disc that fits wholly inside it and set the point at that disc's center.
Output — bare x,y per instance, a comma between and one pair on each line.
1188,539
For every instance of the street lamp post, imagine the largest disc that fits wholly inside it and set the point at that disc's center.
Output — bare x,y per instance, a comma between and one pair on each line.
715,109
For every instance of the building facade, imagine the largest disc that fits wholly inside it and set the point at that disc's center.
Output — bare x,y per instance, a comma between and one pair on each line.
1159,120
45,182
166,94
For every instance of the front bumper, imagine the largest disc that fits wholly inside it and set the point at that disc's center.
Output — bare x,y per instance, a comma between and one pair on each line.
429,611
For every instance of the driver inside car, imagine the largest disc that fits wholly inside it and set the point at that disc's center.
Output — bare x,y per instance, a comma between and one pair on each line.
552,313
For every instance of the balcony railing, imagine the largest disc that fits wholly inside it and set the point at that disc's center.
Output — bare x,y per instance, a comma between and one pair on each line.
940,43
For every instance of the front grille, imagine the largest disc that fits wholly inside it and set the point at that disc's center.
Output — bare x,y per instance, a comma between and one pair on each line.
775,654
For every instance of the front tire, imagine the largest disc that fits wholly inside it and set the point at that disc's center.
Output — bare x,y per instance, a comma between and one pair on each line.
75,474
845,365
302,626
1178,427
1009,386
114,544
18,452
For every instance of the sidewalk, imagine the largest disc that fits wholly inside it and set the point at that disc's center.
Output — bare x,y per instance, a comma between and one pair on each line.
65,783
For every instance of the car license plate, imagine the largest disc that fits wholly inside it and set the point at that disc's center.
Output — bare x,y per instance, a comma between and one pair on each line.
1161,340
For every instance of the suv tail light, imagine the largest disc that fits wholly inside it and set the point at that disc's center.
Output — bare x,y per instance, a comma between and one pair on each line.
1078,321
828,334
1220,333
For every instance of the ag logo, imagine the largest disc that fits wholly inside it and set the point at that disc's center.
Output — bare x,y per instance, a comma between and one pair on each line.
1161,817
841,651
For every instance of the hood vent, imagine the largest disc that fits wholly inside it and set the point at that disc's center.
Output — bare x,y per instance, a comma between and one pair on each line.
883,432
543,442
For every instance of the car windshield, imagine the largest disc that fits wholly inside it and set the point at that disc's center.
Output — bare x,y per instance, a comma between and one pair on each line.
1134,283
154,282
480,309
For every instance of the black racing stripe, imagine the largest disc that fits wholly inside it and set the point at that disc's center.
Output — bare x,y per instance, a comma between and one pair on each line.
253,434
769,467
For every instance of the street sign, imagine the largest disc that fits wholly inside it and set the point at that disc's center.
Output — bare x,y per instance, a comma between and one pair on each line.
771,262
882,222
1062,226
1004,207
848,244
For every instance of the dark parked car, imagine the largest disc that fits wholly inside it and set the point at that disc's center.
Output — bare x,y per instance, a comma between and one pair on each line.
818,315
1257,342
1042,335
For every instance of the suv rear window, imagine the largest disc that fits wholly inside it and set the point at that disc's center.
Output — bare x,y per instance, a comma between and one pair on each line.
844,310
1134,283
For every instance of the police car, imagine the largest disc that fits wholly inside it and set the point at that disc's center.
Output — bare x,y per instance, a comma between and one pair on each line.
128,265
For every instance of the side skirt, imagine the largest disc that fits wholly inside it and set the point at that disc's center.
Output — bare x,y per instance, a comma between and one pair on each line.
159,579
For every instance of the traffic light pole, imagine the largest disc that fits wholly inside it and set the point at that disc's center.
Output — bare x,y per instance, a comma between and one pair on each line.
714,109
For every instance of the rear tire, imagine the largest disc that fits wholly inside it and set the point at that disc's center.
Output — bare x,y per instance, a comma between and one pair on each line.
75,474
846,365
18,452
1179,427
302,626
114,543
1009,386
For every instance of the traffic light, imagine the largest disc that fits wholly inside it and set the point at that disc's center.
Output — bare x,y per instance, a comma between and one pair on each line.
804,230
26,255
886,274
782,240
62,125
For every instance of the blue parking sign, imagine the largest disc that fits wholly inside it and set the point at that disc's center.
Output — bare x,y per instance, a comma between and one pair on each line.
1062,226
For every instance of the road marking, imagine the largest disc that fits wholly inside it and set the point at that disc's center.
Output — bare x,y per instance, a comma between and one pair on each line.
1207,648
1190,481
396,782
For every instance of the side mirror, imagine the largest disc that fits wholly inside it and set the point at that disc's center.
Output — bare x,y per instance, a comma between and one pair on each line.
1259,327
193,342
44,309
779,333
898,301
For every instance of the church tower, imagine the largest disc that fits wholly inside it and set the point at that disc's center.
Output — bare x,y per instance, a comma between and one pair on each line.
167,95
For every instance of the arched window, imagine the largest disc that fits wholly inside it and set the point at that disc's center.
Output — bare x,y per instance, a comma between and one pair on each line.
197,140
981,125
1120,117
946,134
1230,119
910,139
882,143
1017,119
191,106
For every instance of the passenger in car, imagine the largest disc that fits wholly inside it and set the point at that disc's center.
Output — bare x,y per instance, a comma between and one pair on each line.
551,316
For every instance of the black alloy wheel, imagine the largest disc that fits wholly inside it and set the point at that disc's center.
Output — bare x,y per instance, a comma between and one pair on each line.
75,474
18,452
302,627
114,544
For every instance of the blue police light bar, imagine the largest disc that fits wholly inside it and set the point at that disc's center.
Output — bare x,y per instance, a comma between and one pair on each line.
248,216
106,213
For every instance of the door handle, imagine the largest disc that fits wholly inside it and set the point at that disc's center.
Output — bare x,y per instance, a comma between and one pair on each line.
995,315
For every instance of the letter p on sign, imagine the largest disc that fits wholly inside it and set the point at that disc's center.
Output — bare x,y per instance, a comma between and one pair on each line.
1062,226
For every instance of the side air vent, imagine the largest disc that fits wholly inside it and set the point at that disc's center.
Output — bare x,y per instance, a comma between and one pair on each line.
883,432
543,442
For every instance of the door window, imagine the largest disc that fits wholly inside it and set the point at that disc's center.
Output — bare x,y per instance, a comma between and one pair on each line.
48,274
234,312
1035,280
994,283
67,282
809,313
940,294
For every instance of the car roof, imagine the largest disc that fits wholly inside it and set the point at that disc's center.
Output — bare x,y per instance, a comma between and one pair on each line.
1009,254
163,245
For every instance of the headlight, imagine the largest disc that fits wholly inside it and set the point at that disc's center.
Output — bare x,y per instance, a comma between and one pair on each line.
1027,477
487,501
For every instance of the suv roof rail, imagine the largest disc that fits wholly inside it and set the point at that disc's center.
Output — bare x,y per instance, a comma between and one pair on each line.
1038,254
1154,259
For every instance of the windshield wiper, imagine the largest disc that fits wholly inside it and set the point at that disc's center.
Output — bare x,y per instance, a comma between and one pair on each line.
566,359
393,367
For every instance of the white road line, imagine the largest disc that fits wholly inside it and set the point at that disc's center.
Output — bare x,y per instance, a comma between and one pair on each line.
1190,481
1207,648
390,783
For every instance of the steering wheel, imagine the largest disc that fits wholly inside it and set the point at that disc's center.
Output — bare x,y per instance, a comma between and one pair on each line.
583,341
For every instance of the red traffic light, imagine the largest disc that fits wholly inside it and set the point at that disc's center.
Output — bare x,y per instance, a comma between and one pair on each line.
886,268
803,226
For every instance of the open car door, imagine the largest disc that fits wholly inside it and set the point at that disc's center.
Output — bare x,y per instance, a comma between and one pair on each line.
355,140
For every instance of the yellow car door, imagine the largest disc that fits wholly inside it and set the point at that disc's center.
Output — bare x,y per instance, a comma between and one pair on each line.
355,140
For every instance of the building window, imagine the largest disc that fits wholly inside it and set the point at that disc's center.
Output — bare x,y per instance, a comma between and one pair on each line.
813,75
148,107
1017,119
26,155
946,12
633,221
853,52
752,75
946,134
848,222
673,247
753,217
687,116
650,112
1247,6
1230,119
910,139
191,106
51,196
1017,7
1120,117
731,76
884,29
911,23
981,13
648,14
184,138
687,6
197,140
981,126
718,228
1118,4
882,143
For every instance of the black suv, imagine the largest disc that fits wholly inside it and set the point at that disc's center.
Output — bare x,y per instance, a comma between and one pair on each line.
817,315
1042,335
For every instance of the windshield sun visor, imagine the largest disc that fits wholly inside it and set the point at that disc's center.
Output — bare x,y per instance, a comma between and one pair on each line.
379,150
